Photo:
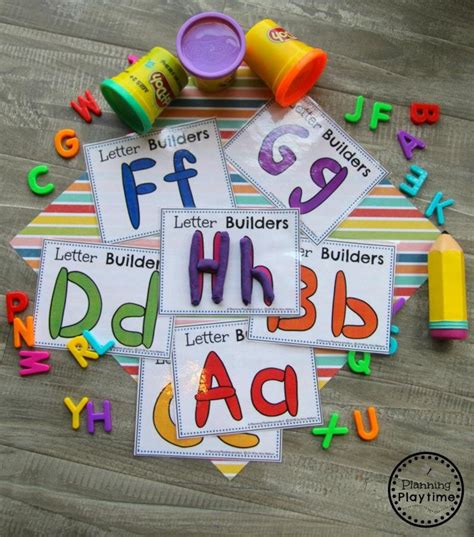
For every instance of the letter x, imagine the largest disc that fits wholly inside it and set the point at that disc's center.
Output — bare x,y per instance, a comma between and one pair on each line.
329,431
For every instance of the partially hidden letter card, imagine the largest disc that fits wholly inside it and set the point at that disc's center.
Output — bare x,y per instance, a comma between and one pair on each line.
133,176
300,157
232,262
225,383
346,299
155,431
111,291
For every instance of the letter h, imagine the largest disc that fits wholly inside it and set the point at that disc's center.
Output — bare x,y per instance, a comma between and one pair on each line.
248,272
217,266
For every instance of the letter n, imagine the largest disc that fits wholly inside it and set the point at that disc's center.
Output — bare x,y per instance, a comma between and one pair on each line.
217,266
358,306
290,380
214,368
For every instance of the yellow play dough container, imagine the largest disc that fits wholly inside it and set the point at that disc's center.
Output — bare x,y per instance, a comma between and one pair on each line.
139,94
288,66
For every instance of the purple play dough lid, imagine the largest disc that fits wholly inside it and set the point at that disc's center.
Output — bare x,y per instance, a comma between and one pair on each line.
210,45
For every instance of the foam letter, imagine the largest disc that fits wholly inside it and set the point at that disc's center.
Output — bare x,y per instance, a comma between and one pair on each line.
217,266
214,367
31,362
149,313
22,332
16,301
288,158
71,141
290,380
408,143
248,272
85,104
416,182
58,304
358,306
378,114
436,204
424,113
355,117
182,176
132,191
75,410
374,426
79,348
105,416
327,188
306,321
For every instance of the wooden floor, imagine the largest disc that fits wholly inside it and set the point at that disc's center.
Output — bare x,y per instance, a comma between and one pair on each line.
56,482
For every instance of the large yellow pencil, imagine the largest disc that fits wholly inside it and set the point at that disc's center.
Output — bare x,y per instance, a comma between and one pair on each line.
447,289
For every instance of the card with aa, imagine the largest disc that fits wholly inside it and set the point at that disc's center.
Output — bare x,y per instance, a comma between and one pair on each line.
111,291
155,431
225,383
346,299
232,262
132,176
300,157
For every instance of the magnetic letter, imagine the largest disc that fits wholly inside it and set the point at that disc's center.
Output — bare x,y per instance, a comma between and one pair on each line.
306,321
289,403
98,347
105,416
182,176
75,410
16,302
359,366
58,304
31,362
424,113
248,272
358,306
288,158
149,313
359,106
317,176
374,426
329,431
79,348
378,114
84,104
408,143
71,143
416,180
22,332
33,181
436,204
217,266
214,367
131,190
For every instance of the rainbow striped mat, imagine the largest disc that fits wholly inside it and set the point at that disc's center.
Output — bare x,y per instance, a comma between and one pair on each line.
385,214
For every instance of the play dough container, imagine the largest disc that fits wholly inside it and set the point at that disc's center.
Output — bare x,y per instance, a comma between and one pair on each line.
139,94
211,46
288,66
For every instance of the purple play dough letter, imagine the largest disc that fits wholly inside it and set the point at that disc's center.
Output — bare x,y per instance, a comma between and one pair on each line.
288,158
248,272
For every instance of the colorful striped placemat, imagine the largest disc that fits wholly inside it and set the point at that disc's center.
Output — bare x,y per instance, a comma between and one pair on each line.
386,214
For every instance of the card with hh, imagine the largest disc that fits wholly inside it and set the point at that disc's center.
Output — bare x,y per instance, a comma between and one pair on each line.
111,291
229,262
132,176
346,299
155,431
300,157
224,383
